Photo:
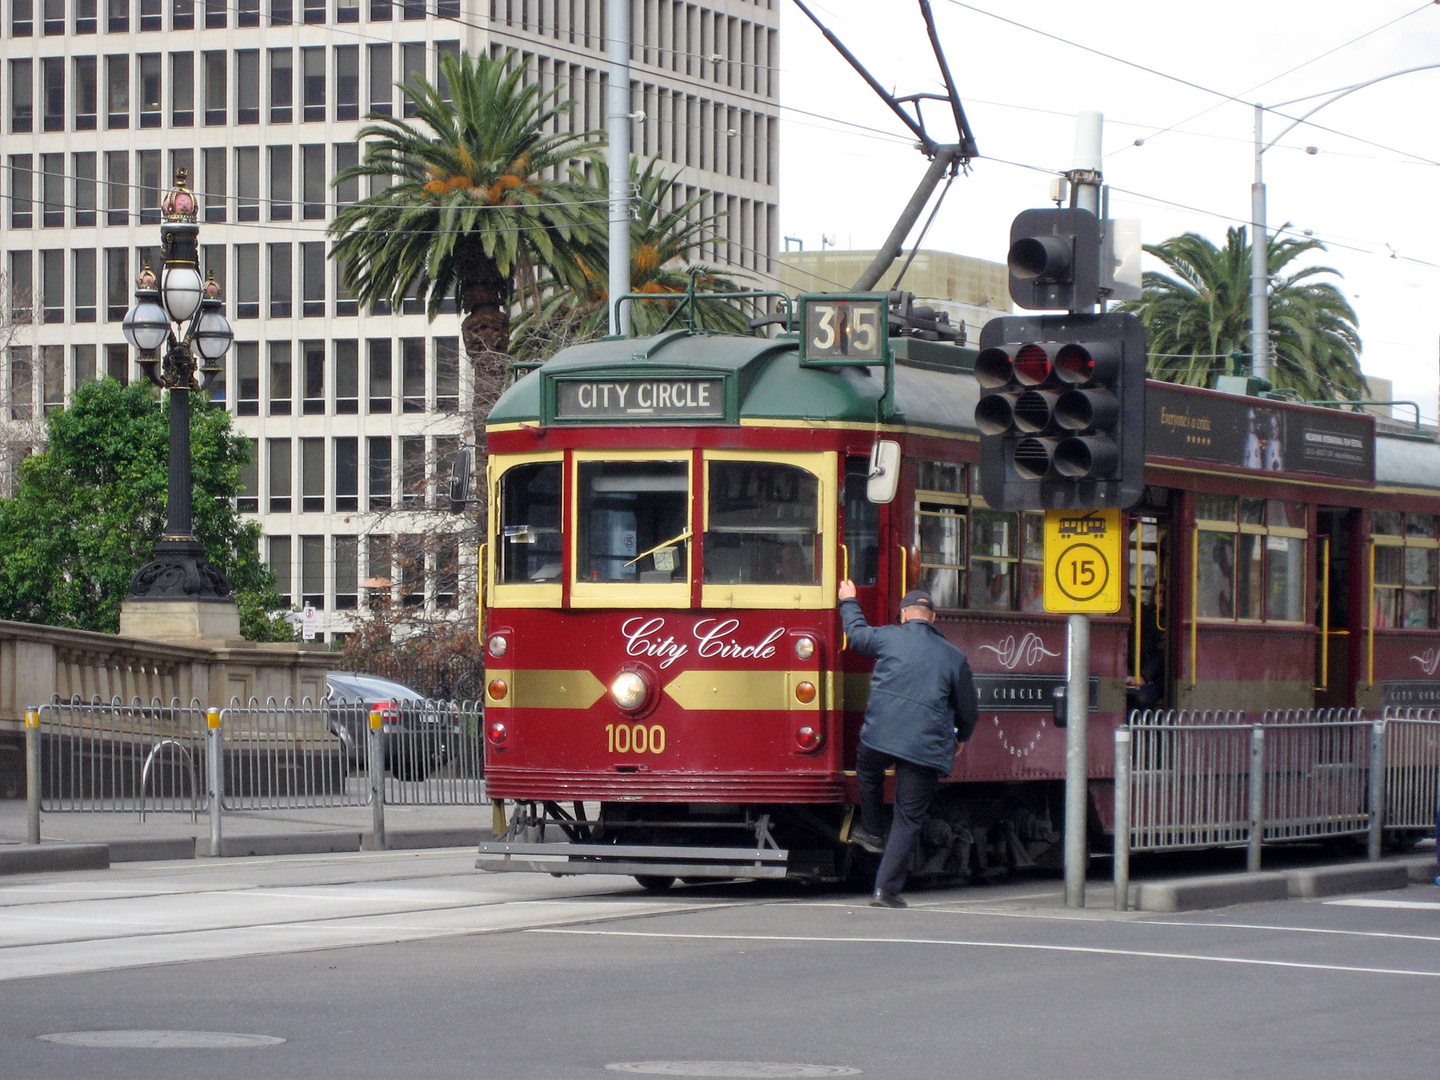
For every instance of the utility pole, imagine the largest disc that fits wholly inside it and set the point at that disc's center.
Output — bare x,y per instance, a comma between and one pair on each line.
617,126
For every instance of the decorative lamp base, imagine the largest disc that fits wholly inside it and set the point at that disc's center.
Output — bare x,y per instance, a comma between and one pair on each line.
179,571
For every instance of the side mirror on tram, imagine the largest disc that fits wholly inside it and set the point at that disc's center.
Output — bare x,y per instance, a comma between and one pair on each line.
460,482
884,471
1057,705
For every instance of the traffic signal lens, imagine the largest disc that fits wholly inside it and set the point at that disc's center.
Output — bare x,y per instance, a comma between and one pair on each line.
1032,457
1075,364
993,369
1033,410
1040,257
1076,410
995,413
1087,458
1032,364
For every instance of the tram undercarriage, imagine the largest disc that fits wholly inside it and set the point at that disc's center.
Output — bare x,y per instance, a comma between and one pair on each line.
975,833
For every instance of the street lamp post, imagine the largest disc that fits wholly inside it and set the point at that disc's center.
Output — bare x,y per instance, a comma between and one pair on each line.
181,334
1259,239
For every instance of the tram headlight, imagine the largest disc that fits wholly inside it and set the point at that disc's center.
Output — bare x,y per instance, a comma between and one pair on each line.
807,738
804,647
498,645
628,691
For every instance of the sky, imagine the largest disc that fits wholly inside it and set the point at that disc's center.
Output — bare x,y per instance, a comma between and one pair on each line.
1177,84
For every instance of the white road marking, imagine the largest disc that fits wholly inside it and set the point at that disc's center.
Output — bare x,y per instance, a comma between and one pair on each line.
1410,905
1298,929
1017,945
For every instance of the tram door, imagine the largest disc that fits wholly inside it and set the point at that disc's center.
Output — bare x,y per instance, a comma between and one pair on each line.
1148,685
1335,632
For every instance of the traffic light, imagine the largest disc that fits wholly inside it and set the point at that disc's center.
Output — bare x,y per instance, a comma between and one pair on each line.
1054,260
1061,412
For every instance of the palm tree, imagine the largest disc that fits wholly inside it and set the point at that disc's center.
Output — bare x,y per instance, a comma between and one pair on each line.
1199,318
575,304
466,197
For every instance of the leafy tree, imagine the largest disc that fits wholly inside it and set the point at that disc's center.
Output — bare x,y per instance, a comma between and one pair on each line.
89,508
576,307
1198,315
468,198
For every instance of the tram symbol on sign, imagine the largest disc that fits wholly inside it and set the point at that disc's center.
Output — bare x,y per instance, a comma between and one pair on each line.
1083,556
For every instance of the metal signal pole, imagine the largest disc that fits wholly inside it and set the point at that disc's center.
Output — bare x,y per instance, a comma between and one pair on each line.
617,125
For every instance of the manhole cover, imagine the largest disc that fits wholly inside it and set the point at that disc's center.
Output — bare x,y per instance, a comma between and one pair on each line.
741,1070
169,1040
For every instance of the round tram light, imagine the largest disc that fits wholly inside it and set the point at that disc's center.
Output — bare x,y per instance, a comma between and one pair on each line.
496,689
629,691
495,732
1077,410
994,369
1032,457
1032,364
805,692
804,647
1033,410
497,645
994,413
807,738
1086,458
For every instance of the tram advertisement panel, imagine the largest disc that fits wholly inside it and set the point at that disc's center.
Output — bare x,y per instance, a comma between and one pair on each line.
1256,434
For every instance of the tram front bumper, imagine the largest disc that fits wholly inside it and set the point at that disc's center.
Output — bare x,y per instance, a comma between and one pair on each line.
632,859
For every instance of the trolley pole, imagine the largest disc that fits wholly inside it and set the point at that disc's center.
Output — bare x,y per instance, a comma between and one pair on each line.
1077,795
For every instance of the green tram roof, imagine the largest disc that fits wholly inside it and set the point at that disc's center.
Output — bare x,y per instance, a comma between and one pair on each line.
933,387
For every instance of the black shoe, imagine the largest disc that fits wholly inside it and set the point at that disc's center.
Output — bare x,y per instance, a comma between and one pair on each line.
868,841
888,899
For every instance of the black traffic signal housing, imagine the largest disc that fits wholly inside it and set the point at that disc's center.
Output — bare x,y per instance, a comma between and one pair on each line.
1054,260
1061,412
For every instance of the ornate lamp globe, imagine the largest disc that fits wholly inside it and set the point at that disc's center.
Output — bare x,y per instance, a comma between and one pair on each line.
146,325
212,332
181,288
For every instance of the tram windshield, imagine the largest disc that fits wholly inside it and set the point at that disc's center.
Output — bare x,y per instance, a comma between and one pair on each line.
633,521
529,537
762,521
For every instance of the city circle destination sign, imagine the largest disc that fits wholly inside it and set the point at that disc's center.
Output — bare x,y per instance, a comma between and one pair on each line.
681,398
1083,553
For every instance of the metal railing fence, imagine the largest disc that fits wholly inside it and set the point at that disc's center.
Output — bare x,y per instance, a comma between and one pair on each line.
1217,779
137,758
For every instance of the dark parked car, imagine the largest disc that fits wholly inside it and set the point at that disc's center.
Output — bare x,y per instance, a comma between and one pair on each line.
418,736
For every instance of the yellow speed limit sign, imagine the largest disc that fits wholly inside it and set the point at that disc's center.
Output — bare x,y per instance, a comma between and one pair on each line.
1083,571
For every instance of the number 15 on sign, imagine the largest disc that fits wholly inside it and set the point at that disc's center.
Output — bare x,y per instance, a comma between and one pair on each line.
1083,567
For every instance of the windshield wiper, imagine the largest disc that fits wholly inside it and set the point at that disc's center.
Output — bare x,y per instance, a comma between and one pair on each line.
666,543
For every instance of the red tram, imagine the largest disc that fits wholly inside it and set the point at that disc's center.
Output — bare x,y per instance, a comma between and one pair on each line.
669,518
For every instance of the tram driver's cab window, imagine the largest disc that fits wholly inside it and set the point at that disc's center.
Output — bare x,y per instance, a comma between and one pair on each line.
762,521
529,535
632,519
1250,559
1405,578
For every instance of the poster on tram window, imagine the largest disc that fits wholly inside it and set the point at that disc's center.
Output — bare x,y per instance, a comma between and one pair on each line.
1251,433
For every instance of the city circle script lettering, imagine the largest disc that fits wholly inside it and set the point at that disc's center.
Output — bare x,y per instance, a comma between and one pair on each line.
639,399
645,635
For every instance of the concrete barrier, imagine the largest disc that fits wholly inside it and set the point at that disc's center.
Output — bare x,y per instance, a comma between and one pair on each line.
1350,878
42,858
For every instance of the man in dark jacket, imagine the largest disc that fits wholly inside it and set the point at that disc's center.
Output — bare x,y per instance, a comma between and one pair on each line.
922,699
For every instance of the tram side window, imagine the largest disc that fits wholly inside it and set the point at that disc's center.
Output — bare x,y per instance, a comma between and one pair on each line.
633,518
1251,559
762,522
862,524
530,524
941,529
1405,569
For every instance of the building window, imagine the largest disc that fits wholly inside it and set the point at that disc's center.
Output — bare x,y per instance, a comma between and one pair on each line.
22,192
52,191
247,86
447,571
312,571
22,18
412,470
381,385
281,387
380,567
150,20
86,93
117,16
117,363
378,455
182,89
447,374
312,81
281,191
379,11
282,12
442,50
347,572
247,12
312,476
22,288
412,67
281,286
282,85
212,190
117,92
52,374
412,375
347,156
312,359
84,277
382,79
247,281
247,183
117,187
182,15
345,302
347,474
247,378
278,458
117,284
52,91
147,166
347,376
82,168
52,286
410,562
347,81
313,179
22,95
85,16
216,91
22,383
279,559
247,499
148,65
82,364
312,279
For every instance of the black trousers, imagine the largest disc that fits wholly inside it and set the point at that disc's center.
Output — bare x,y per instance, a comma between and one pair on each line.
915,786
